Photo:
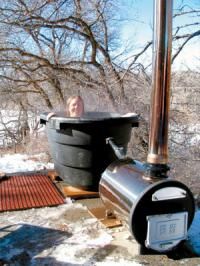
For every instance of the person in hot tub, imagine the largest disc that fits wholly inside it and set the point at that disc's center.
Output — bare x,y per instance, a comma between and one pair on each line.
74,107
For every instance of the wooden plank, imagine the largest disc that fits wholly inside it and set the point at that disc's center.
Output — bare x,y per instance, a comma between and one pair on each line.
75,193
2,174
70,191
105,217
53,175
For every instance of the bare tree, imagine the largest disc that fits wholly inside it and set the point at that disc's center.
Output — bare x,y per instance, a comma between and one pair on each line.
49,49
51,44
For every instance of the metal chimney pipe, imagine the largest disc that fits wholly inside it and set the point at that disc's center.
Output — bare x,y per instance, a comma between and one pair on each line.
140,193
162,42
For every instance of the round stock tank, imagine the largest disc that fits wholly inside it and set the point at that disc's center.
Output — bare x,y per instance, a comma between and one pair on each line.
78,145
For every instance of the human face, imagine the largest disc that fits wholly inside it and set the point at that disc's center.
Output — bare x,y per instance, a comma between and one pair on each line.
76,108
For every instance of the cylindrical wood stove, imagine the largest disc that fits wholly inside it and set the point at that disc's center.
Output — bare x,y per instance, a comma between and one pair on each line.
157,209
158,213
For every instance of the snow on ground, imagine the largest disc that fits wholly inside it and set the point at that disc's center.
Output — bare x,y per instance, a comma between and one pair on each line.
63,235
22,163
53,236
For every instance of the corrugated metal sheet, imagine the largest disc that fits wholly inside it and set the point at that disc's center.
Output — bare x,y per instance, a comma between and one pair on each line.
28,191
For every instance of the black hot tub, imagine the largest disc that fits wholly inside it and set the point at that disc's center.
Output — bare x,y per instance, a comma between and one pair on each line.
78,145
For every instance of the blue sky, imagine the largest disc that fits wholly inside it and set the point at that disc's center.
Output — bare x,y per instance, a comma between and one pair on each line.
138,23
140,13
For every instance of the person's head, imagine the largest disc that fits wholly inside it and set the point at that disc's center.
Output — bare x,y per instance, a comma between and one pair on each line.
75,106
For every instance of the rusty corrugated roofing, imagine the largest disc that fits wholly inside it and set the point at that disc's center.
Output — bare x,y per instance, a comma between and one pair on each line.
28,191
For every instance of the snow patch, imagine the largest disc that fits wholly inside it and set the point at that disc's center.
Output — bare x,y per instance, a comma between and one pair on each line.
21,163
